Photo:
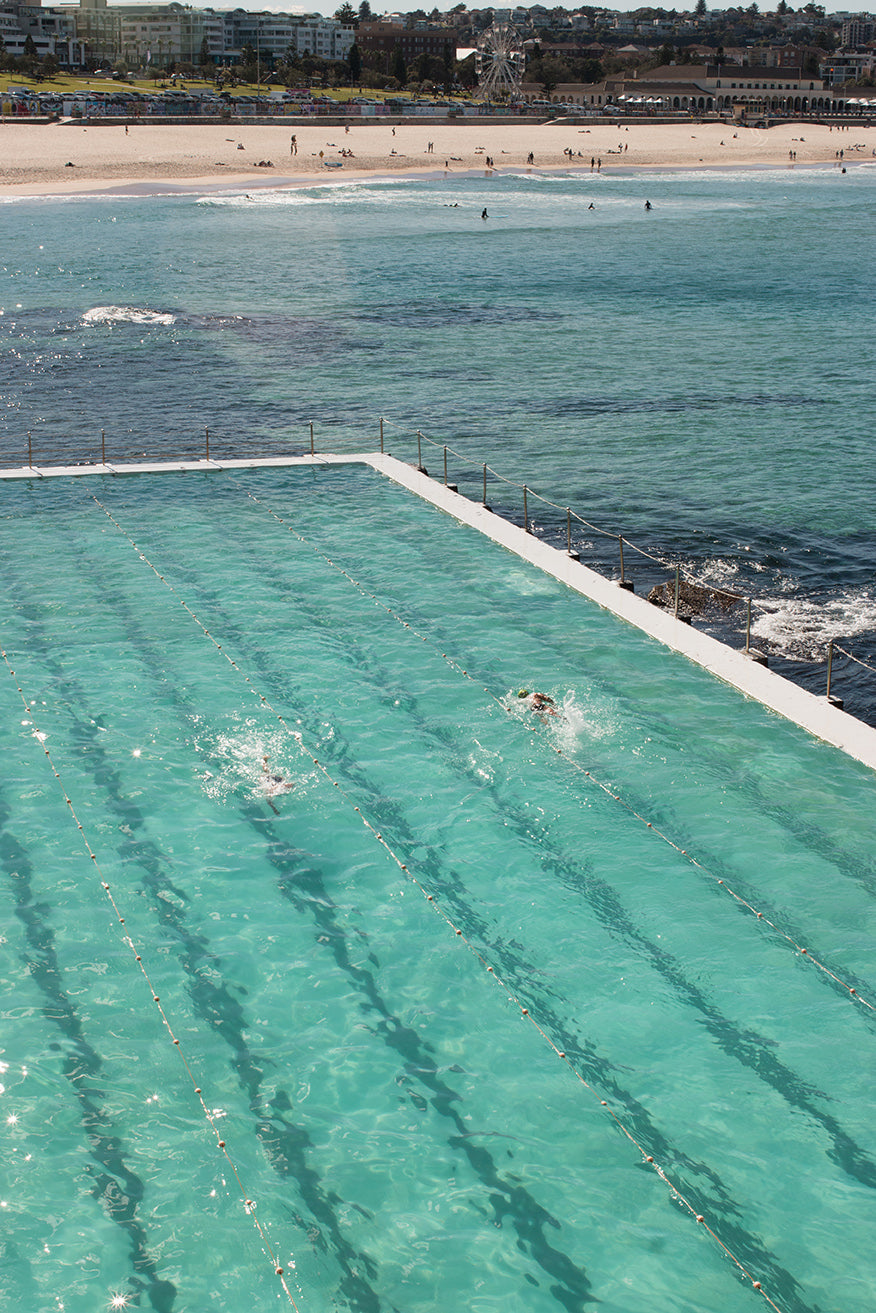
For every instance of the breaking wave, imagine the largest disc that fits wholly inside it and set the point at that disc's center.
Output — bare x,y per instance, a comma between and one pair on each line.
801,628
126,314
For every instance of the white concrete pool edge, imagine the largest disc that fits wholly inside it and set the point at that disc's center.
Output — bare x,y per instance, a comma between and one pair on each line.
812,713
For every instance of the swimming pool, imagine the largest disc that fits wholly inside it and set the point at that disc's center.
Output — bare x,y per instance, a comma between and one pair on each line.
481,1010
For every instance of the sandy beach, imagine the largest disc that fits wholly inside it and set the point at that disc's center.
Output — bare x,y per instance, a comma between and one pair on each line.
69,157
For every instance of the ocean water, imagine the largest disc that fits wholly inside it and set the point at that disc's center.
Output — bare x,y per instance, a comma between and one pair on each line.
320,951
698,378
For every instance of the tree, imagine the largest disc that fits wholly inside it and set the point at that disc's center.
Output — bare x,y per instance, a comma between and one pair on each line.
249,62
347,15
466,72
397,67
701,10
204,58
355,62
364,12
548,73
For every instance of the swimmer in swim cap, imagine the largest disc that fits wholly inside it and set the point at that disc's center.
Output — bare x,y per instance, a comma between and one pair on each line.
540,703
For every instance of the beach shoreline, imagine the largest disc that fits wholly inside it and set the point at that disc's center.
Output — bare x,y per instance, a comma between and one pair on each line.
66,158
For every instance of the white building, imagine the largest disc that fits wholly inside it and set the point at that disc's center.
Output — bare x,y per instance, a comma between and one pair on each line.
53,32
162,34
275,35
847,66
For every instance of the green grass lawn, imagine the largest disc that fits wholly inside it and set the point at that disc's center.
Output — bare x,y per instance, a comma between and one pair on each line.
65,83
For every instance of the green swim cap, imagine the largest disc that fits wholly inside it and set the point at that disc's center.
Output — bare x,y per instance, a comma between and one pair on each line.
524,693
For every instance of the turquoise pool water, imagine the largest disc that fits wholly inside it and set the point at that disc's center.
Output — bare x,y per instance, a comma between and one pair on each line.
407,1136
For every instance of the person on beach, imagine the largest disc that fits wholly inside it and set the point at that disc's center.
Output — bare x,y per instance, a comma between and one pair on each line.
484,214
293,145
647,205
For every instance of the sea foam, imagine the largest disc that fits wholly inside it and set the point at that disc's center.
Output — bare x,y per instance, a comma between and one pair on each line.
126,314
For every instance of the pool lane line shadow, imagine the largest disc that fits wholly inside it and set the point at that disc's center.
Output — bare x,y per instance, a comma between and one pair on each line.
115,905
513,997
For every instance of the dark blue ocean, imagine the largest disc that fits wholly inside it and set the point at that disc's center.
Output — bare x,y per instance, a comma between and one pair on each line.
698,378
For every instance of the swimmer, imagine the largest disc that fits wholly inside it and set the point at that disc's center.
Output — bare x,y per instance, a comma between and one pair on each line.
540,703
273,784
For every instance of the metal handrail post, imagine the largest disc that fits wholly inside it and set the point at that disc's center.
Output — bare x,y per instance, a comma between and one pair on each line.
748,628
525,512
445,467
419,450
620,540
381,437
29,451
677,587
207,442
829,665
311,437
485,483
102,447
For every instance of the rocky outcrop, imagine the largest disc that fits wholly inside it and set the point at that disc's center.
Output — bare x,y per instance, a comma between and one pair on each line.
695,599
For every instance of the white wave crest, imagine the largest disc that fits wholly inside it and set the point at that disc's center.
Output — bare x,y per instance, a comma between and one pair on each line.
715,572
801,628
126,314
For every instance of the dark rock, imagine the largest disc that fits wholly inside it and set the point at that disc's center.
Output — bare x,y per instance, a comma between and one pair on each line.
697,599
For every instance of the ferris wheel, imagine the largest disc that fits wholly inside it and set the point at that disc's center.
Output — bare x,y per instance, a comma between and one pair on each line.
500,61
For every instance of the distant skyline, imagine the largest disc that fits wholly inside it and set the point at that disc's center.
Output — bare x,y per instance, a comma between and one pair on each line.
328,9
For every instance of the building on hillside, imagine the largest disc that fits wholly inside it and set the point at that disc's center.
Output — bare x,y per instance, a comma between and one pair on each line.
99,29
324,37
570,49
53,32
858,30
847,66
381,38
702,89
161,35
276,35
